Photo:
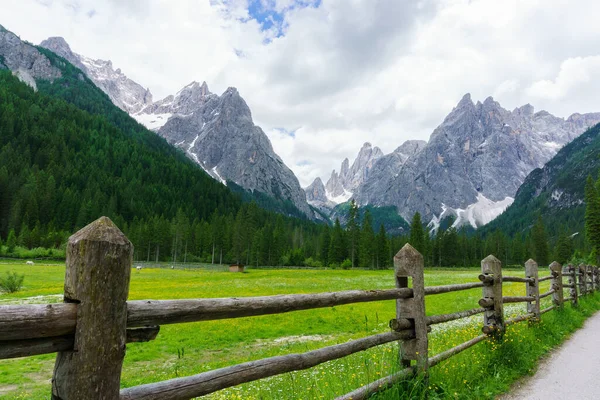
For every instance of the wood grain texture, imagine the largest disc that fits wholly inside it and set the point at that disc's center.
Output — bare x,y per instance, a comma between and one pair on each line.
99,259
162,312
35,321
209,382
408,263
557,283
493,317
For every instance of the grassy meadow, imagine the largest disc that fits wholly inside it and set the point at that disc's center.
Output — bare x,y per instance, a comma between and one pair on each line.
187,349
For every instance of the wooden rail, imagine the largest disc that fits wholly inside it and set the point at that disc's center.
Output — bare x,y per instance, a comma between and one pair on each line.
97,317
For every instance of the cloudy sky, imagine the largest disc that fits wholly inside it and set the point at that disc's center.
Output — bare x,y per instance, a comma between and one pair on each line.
323,76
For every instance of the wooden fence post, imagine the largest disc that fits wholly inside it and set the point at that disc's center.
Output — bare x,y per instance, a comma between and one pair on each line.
589,278
493,317
557,284
533,288
99,259
582,285
409,263
595,278
572,272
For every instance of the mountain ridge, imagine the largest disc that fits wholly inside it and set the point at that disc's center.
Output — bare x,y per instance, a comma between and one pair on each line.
193,120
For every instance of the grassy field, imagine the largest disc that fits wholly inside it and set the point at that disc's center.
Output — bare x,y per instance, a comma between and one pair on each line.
187,349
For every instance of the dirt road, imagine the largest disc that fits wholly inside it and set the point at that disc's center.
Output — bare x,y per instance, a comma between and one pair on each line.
571,372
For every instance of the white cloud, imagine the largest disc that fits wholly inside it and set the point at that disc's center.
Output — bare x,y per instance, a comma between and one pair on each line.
346,72
576,75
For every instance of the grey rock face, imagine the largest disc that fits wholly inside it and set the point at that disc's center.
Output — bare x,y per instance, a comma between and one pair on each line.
189,99
123,92
341,187
385,170
215,131
315,192
218,133
316,195
478,149
25,60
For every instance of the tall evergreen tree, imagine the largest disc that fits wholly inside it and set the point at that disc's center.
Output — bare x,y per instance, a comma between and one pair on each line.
540,242
592,214
324,245
11,241
417,234
564,248
353,231
381,249
337,247
367,241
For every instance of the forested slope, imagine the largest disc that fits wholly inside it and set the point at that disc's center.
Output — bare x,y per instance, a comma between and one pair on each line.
555,191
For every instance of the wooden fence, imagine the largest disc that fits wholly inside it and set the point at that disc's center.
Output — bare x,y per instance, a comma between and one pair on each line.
89,331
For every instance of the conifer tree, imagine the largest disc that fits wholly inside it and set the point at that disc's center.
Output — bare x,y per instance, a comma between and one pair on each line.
367,239
592,214
337,247
417,234
11,241
540,242
324,245
381,249
353,231
564,248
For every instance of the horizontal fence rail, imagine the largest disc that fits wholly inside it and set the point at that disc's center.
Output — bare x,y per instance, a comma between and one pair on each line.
160,312
97,283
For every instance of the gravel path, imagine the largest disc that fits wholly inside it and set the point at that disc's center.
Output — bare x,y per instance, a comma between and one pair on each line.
571,372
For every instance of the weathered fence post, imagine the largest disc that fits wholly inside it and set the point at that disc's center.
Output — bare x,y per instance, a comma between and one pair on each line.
557,284
99,259
409,263
582,285
533,288
573,284
595,277
589,278
493,317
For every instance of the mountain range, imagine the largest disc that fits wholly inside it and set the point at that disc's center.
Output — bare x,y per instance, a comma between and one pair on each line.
215,131
470,169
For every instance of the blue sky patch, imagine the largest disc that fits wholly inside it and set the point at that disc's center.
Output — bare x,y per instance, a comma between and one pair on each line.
303,163
291,133
271,18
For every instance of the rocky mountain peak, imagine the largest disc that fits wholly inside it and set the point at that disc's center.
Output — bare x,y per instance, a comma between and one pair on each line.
526,110
465,101
24,60
410,148
341,187
57,43
316,195
475,160
123,92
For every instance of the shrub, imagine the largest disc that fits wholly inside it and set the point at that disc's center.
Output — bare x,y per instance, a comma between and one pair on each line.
310,262
346,264
12,282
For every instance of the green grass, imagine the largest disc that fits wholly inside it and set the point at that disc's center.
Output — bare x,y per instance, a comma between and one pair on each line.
187,349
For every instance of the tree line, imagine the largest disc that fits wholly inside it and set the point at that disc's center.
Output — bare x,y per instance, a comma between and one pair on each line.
62,167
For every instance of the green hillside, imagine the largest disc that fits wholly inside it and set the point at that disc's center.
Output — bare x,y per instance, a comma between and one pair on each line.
556,191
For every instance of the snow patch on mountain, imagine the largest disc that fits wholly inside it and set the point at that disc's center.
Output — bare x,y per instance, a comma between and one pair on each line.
341,198
152,121
480,213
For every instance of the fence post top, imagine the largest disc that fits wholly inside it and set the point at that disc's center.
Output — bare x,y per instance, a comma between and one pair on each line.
555,266
531,262
490,260
101,230
407,260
